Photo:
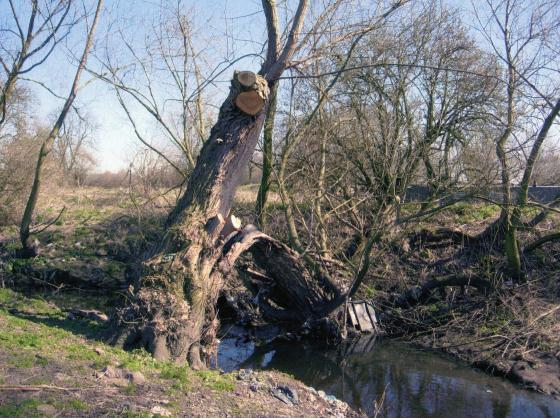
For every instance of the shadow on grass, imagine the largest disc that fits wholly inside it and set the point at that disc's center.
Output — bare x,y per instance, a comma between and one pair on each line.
90,330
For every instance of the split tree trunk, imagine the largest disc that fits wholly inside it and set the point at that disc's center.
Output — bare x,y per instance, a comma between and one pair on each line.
173,310
179,286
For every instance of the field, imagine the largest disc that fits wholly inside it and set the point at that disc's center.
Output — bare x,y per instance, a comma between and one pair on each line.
52,361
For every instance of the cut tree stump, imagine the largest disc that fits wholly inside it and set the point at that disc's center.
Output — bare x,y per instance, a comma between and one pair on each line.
250,102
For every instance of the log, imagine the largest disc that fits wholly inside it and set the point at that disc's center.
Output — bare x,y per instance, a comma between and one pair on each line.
246,78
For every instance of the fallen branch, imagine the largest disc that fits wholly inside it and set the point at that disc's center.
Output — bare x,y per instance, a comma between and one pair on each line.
35,388
541,241
288,282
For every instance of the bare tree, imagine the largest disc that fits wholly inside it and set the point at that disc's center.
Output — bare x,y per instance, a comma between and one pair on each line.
73,148
29,248
29,41
547,168
173,309
165,81
520,33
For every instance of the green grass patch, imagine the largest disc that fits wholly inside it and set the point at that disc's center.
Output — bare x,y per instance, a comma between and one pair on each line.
180,374
136,360
214,380
27,408
469,212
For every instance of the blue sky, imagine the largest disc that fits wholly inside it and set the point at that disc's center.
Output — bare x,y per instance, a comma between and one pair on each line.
226,28
115,142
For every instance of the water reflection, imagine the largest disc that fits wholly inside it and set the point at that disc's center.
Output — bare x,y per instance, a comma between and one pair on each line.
415,383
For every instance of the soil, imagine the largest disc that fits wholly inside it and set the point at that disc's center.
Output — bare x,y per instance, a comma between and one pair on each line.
74,391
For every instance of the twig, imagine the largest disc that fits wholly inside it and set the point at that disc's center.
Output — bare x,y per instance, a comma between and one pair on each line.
34,388
49,223
543,315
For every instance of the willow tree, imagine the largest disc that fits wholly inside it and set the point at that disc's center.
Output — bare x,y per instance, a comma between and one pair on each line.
172,312
179,284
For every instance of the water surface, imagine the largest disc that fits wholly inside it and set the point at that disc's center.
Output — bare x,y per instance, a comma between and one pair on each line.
413,382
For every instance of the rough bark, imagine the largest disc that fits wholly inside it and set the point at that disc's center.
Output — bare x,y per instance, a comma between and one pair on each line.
179,286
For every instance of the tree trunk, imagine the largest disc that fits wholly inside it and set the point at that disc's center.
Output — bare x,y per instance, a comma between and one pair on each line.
266,180
29,249
173,311
179,284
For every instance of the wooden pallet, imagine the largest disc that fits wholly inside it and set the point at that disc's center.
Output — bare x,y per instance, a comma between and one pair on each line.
362,316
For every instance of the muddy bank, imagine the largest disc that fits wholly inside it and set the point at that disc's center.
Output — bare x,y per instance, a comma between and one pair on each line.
55,363
511,333
539,372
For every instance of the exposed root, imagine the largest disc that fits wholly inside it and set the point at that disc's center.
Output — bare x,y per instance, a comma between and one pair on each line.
158,321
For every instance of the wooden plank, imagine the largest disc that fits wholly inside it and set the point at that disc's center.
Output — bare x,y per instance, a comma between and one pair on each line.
363,317
373,316
371,312
352,315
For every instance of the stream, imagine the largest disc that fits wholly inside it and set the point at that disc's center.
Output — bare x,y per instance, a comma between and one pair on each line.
412,382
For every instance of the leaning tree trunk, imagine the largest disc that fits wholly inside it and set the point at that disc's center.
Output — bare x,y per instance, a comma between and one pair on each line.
178,285
173,310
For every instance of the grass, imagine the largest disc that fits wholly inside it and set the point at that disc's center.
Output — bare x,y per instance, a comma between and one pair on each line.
465,213
30,408
214,380
35,333
27,408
